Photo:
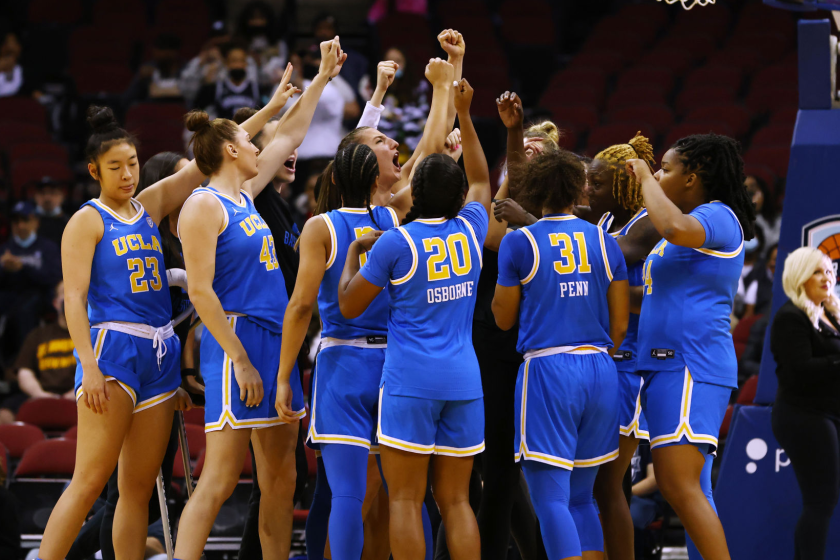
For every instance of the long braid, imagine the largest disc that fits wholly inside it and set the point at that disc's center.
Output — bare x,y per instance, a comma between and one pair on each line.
356,171
626,190
438,188
717,161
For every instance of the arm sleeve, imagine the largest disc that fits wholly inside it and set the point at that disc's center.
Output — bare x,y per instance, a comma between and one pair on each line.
615,258
516,259
379,268
722,228
370,116
790,340
477,217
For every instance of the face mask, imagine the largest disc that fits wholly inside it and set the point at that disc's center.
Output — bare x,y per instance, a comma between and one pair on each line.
26,242
236,74
399,73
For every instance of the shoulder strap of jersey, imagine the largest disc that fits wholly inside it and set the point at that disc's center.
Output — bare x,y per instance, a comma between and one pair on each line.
215,193
604,253
723,254
536,249
474,238
413,248
333,239
638,216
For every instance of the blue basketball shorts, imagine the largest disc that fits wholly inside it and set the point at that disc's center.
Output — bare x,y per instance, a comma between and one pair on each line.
444,427
632,421
680,410
345,395
223,404
132,362
567,410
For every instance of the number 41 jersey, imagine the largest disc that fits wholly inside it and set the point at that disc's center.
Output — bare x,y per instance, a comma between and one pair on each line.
127,276
431,268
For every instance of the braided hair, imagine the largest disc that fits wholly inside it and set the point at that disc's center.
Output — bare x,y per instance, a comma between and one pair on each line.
626,189
355,171
438,188
326,195
717,161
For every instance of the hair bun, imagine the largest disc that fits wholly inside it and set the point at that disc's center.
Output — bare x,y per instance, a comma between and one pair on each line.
101,119
197,121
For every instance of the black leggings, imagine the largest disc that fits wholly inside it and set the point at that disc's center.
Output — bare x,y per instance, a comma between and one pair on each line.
812,442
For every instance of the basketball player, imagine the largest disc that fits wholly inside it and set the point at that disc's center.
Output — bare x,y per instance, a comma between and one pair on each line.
238,290
566,392
113,265
697,201
615,198
430,395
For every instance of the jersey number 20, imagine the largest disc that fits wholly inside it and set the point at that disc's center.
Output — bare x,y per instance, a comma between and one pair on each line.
138,271
461,263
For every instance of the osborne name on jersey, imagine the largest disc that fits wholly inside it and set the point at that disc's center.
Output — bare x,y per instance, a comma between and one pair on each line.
449,293
135,242
574,289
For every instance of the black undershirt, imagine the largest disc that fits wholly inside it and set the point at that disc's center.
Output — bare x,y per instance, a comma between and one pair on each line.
275,211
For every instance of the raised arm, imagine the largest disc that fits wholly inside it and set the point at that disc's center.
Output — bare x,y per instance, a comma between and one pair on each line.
258,120
453,43
314,248
510,110
475,164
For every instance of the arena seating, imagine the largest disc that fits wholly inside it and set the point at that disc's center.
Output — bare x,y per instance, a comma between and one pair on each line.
51,415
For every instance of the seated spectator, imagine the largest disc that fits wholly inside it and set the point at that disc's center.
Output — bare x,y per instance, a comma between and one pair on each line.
753,249
759,283
14,80
202,69
324,28
233,88
768,218
406,105
30,266
45,366
158,78
49,205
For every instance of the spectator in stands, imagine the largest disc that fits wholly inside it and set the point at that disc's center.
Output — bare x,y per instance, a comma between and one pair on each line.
45,366
201,70
759,283
768,218
406,105
805,340
750,362
30,266
14,80
258,27
324,28
158,78
234,88
49,205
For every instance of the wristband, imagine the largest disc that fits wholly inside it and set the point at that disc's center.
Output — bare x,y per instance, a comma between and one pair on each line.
186,372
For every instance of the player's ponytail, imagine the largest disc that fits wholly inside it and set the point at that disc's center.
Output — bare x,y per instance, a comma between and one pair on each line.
105,133
208,138
717,161
438,189
626,190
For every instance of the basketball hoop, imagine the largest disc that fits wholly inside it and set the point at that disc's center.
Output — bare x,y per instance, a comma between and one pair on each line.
688,4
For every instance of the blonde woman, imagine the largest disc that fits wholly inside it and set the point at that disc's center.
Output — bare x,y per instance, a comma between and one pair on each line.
806,417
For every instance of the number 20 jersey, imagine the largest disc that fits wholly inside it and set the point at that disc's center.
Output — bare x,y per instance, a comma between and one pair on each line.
127,276
431,268
248,279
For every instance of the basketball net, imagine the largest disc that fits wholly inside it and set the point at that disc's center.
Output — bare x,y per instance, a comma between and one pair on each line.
688,4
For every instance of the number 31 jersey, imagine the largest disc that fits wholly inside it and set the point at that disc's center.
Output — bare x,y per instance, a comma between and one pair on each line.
431,268
565,266
248,279
127,276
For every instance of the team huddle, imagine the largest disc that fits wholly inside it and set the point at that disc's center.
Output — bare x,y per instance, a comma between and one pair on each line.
619,281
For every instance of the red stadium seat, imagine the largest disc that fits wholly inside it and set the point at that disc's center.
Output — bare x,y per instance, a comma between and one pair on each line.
677,59
97,79
628,41
96,45
717,13
773,45
616,133
727,422
478,27
72,433
741,334
19,437
608,61
49,414
624,26
12,133
194,416
701,44
22,109
527,23
773,135
662,78
656,13
403,29
747,394
689,129
747,58
4,460
196,440
660,117
736,116
702,96
572,95
776,75
761,171
775,158
713,74
585,77
461,8
762,100
52,458
55,11
580,117
633,96
32,170
37,150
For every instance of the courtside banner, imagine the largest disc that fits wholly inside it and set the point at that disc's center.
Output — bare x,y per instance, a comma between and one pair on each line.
757,496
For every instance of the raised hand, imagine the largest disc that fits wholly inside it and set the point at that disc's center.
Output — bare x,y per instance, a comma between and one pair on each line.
452,43
463,96
385,73
439,72
332,58
284,91
639,169
510,109
453,145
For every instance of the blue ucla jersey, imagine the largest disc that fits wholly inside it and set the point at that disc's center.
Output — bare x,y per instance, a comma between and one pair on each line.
431,268
248,278
565,266
635,274
346,225
127,277
687,301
